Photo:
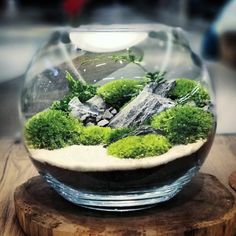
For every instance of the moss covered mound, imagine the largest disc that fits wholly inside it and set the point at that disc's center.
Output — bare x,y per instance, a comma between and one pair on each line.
184,124
117,134
95,135
189,90
139,146
118,92
52,129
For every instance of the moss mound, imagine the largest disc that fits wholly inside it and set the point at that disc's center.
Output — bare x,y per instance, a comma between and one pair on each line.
139,146
118,92
117,134
184,124
52,129
189,90
94,135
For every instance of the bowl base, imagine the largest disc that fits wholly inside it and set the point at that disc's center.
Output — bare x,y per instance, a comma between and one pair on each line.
121,201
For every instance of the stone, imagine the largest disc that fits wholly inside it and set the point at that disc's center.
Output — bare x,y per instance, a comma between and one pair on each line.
103,122
98,118
84,117
146,129
143,107
114,111
78,109
90,124
161,89
97,103
107,115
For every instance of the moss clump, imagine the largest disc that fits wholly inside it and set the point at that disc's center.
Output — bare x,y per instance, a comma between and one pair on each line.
189,90
52,129
117,134
139,146
62,105
184,124
118,92
94,135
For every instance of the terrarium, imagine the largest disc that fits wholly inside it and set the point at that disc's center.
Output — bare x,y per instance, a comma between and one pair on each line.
117,118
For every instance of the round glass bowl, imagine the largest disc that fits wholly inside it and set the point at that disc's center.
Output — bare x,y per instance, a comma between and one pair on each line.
117,118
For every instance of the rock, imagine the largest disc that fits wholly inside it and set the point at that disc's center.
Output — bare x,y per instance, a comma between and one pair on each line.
114,111
97,103
78,109
90,124
145,105
107,115
146,129
91,120
84,117
98,118
103,122
161,89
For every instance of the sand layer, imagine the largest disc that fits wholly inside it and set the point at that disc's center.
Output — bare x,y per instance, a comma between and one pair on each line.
95,158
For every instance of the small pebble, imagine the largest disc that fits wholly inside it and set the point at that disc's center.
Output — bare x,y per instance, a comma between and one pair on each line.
114,111
107,115
90,124
103,123
98,118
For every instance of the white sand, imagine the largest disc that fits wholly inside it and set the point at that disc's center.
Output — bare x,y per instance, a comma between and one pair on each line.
95,158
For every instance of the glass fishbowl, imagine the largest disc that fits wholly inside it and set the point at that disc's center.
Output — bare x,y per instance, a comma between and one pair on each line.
117,118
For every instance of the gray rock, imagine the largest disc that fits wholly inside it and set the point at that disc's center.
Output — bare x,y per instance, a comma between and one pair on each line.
107,115
84,117
144,106
114,111
78,109
97,103
98,118
161,89
90,124
103,123
146,129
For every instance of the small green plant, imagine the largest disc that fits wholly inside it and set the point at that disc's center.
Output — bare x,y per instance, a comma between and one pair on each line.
117,134
187,90
78,89
118,92
139,146
184,123
52,129
158,77
95,135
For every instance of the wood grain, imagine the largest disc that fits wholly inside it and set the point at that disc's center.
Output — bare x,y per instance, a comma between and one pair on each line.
42,212
16,168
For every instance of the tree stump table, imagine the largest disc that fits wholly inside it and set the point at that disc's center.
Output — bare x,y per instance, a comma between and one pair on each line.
203,207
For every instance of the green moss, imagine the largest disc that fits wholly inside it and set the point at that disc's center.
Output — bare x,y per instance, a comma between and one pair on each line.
94,135
184,124
139,146
118,92
187,90
52,129
62,105
117,134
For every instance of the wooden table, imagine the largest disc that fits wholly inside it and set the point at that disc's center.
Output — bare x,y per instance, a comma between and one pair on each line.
16,168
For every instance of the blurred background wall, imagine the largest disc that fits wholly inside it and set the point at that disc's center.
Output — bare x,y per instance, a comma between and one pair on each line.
25,24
